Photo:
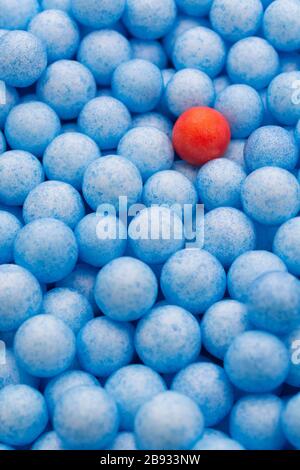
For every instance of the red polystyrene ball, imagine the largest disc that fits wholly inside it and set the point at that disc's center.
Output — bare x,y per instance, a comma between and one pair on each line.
201,134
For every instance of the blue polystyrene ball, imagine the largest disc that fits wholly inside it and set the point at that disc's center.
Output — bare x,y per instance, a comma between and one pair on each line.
2,143
247,268
125,289
10,99
189,88
20,296
271,195
152,51
242,107
104,346
102,51
168,338
170,421
235,152
228,233
221,324
124,441
153,119
290,421
31,127
252,61
16,14
23,414
253,348
155,234
281,25
105,120
95,14
148,148
67,157
66,86
193,279
86,418
12,374
181,25
64,5
100,239
138,84
219,184
68,305
255,422
208,385
108,178
44,346
48,441
200,48
195,7
9,227
271,146
235,20
284,98
274,302
286,244
62,383
216,440
47,248
170,188
146,20
131,387
187,170
23,58
292,342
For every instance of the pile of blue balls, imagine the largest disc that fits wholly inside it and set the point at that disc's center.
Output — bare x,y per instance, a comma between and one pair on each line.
125,342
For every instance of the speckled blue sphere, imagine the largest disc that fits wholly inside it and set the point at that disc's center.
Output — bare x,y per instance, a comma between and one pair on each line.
221,324
281,25
228,233
274,302
242,107
16,14
247,268
68,305
146,20
138,84
67,157
125,289
48,441
66,86
12,374
47,248
255,422
56,200
23,58
235,20
131,387
102,51
292,342
194,7
64,5
193,279
168,338
181,25
216,440
170,421
107,179
86,418
23,414
252,61
250,349
124,441
152,51
286,245
105,120
271,195
283,98
31,127
155,234
153,119
148,148
9,227
271,146
104,346
95,14
62,383
188,88
20,294
44,346
219,184
11,98
200,48
290,421
208,385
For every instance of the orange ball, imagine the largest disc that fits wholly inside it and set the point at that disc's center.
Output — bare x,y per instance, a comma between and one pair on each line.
201,134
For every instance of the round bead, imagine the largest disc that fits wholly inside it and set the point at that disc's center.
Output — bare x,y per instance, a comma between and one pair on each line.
283,98
16,14
124,441
281,24
9,227
290,421
95,14
48,441
181,25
